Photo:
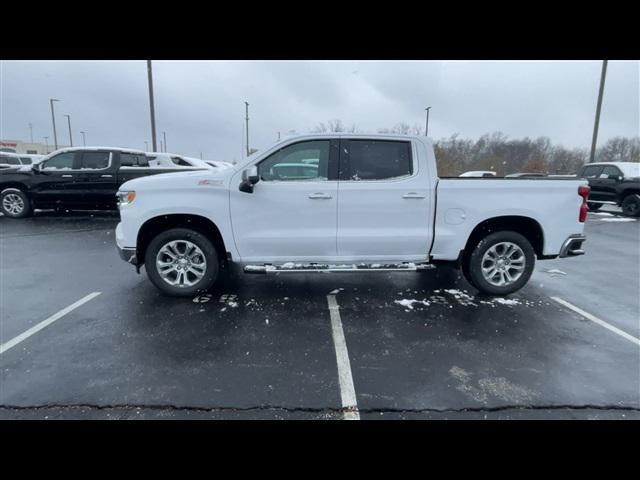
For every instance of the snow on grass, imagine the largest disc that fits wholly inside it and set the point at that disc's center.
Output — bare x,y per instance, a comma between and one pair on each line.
601,213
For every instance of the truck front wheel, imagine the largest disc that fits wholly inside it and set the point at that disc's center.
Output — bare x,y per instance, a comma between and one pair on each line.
15,203
500,263
181,262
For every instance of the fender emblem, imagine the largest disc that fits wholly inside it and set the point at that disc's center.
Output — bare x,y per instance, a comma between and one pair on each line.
213,183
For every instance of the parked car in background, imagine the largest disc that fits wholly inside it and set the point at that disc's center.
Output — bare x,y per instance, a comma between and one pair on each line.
526,175
369,203
172,160
614,183
75,178
10,160
479,173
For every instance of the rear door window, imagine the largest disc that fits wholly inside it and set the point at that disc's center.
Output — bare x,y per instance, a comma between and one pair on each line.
133,160
376,160
95,160
609,170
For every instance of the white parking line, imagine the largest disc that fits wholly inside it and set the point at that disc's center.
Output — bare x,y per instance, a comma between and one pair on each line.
595,319
45,323
347,391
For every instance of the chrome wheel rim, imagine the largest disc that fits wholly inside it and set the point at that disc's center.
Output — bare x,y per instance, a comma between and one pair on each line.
503,264
12,203
181,263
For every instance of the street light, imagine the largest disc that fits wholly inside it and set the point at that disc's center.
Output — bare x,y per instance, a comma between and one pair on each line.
426,130
69,122
151,106
596,124
247,124
146,146
53,120
46,140
84,143
164,136
31,132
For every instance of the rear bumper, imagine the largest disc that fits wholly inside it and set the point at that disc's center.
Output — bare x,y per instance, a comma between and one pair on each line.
572,246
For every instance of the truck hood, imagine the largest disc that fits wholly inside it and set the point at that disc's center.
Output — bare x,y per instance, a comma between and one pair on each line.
180,180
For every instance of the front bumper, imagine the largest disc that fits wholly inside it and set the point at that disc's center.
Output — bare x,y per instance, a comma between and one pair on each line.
572,246
129,255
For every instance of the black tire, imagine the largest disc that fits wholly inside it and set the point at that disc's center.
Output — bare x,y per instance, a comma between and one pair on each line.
184,234
631,205
475,260
594,206
10,209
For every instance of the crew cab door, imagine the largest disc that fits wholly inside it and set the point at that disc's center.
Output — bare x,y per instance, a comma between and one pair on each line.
95,184
53,183
291,214
608,181
384,197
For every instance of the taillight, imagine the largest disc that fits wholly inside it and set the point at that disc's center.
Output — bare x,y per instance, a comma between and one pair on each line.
583,191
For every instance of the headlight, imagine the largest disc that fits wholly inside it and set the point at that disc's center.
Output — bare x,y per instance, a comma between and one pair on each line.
125,198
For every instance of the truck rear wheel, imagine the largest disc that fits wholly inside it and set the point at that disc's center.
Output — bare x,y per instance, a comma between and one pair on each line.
15,203
182,262
500,263
631,205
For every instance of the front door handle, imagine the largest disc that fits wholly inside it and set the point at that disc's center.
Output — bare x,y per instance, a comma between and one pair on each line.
413,195
319,196
106,176
67,176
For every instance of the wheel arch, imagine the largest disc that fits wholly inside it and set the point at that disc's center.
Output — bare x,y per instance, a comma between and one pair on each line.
526,226
156,225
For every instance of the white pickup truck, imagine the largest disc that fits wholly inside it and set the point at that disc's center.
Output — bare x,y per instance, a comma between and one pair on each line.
346,203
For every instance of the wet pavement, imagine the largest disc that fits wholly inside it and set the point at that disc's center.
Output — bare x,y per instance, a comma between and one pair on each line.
420,345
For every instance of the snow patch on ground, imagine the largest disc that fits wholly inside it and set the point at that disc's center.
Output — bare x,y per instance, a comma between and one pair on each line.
555,271
507,301
408,303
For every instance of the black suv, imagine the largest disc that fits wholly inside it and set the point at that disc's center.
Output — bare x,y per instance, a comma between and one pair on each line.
615,183
74,178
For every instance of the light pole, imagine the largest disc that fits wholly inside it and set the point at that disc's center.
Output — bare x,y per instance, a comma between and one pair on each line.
84,142
146,146
153,112
426,130
161,149
594,140
278,136
46,141
53,120
31,132
164,137
69,122
246,119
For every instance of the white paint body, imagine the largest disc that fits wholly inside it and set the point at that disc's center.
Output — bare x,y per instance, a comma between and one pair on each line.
411,219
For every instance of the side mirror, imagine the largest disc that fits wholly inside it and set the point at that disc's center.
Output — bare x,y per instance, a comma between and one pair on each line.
36,167
249,179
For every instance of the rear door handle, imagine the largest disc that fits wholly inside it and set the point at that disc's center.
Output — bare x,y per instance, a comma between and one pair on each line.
67,176
319,196
413,195
106,176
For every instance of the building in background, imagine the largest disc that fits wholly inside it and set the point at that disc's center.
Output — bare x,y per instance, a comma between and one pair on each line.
18,146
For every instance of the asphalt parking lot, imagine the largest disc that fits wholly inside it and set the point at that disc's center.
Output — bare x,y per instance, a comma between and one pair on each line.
390,345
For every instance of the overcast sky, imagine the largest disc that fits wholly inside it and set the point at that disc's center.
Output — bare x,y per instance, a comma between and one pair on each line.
200,104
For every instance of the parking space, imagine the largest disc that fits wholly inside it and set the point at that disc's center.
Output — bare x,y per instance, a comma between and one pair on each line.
418,345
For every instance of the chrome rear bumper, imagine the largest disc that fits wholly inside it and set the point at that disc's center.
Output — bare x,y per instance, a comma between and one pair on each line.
572,246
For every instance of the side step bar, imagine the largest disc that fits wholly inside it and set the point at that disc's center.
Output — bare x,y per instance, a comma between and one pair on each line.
322,268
